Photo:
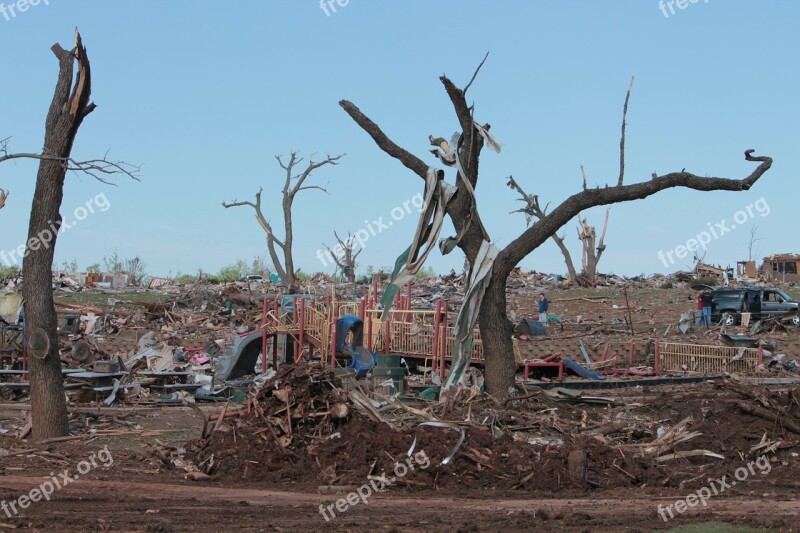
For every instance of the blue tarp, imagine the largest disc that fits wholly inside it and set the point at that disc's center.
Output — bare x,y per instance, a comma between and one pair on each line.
287,301
581,371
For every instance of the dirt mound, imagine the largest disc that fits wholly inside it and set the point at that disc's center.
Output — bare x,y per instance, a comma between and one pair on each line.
303,428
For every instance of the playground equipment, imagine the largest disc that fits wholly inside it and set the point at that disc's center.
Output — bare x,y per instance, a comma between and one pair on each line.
319,329
361,359
343,333
359,335
11,329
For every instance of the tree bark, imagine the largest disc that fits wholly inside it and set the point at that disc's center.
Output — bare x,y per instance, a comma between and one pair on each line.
69,107
288,241
573,276
496,331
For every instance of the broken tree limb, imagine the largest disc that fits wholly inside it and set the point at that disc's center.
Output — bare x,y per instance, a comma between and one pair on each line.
590,299
773,416
622,139
628,306
532,209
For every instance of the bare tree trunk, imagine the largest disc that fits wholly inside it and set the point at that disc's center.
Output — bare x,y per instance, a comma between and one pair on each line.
67,111
496,331
288,258
573,276
591,253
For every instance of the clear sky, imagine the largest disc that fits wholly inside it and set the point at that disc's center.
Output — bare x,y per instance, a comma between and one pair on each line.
205,94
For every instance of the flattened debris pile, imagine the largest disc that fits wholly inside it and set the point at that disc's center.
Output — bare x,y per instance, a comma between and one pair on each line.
301,427
779,407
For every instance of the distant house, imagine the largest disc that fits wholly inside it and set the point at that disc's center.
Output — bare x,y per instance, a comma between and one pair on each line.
746,270
99,279
783,267
702,270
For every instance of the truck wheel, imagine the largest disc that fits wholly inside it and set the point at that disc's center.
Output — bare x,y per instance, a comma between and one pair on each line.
729,319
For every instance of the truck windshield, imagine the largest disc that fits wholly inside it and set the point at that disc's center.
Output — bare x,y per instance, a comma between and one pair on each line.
786,297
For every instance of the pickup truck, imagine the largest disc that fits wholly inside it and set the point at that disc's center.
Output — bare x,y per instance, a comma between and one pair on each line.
730,303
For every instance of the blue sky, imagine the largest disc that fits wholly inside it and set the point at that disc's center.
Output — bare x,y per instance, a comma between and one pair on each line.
204,94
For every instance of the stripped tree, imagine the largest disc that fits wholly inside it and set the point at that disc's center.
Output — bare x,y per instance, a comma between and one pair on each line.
491,267
533,209
592,250
344,257
71,104
294,182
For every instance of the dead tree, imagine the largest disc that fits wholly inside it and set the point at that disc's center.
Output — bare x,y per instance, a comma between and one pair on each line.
70,105
343,256
531,210
495,327
592,251
136,270
586,234
293,184
752,250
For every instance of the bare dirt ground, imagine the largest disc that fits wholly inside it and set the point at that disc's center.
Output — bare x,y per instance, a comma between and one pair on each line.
137,492
93,505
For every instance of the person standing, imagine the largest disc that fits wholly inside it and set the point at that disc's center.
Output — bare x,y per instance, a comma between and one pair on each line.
543,306
699,318
708,300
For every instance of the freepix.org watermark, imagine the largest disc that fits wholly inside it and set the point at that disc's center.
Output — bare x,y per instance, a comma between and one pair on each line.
44,238
715,231
376,484
10,11
664,5
47,488
714,488
372,229
329,6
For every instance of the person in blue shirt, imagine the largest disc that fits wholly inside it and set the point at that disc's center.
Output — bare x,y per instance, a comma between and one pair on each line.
543,305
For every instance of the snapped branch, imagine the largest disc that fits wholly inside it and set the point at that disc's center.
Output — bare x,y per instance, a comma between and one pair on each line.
262,221
531,208
475,75
622,138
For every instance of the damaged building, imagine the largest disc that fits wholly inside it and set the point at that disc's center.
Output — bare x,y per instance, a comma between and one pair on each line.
782,267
